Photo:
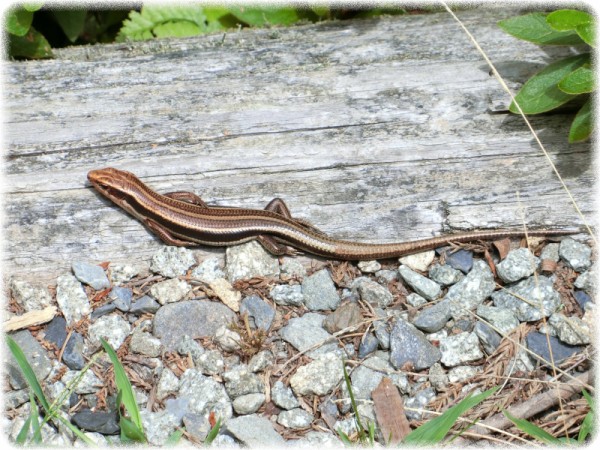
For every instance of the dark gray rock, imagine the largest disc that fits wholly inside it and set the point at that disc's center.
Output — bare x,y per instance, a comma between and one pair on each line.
345,316
195,318
409,345
73,354
98,421
433,318
260,313
582,298
367,345
102,311
461,259
35,354
56,331
537,343
121,298
488,337
542,299
143,305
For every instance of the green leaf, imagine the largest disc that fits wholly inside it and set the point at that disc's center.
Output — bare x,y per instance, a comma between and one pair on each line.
582,125
166,21
580,81
214,13
71,22
590,400
35,420
124,386
18,21
541,93
130,432
435,430
567,19
27,372
174,437
32,6
212,434
587,32
33,45
532,430
534,28
259,17
23,432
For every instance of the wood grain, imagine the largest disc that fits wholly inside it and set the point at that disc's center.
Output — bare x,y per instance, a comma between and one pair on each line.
374,130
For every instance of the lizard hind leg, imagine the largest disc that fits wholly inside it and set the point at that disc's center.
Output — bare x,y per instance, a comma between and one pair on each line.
278,206
276,248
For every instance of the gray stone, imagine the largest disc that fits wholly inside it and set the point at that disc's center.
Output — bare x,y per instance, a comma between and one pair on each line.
260,313
319,377
445,275
188,346
250,260
587,280
461,374
102,311
114,329
171,261
409,345
418,403
295,419
283,396
35,355
502,319
385,276
168,384
73,353
211,362
461,259
122,273
415,300
418,261
518,264
143,305
368,345
56,331
550,251
88,382
14,399
205,395
170,291
460,348
194,318
471,291
292,268
374,293
438,377
227,340
121,297
421,285
542,299
433,318
71,299
158,426
240,381
570,330
287,295
90,274
29,297
249,403
319,292
261,361
305,332
253,431
369,266
145,344
99,421
575,254
209,270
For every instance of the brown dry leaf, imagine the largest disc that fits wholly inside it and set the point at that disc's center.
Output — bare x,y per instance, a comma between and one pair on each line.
503,247
389,410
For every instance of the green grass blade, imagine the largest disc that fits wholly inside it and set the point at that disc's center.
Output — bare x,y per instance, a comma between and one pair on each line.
22,436
35,420
174,437
124,386
590,400
587,425
359,425
212,434
130,432
27,372
344,438
532,430
436,429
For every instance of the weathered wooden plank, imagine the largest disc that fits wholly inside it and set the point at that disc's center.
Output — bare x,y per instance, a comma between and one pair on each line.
375,130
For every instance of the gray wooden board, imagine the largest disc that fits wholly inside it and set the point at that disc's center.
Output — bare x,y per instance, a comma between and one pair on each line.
374,130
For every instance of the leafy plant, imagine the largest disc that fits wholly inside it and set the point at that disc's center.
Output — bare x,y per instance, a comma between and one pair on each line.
562,81
23,39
